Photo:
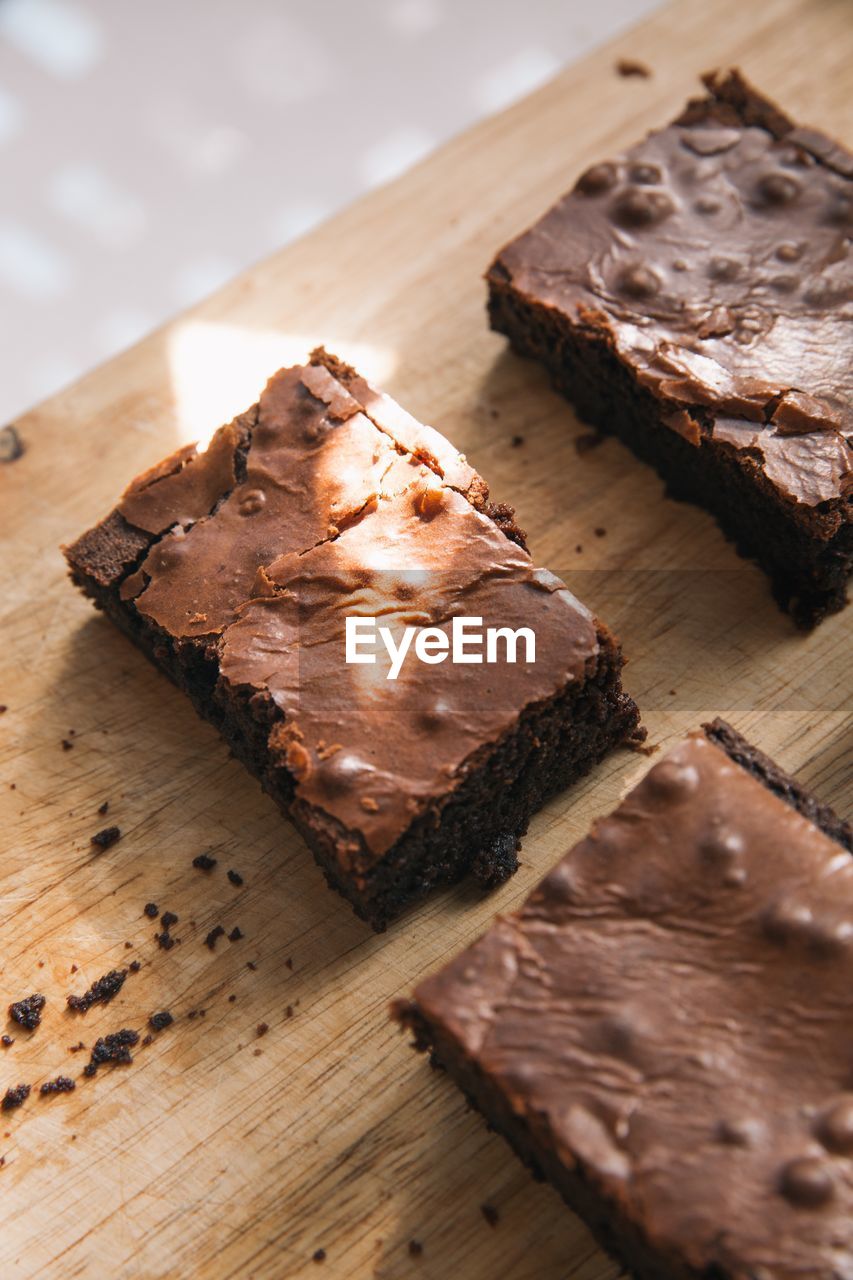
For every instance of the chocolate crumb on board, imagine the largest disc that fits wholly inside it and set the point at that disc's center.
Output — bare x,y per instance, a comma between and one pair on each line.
600,532
147,1039
164,940
288,1013
204,862
11,444
73,968
231,999
491,1214
167,919
62,1084
415,1248
6,1041
3,707
159,1021
213,937
236,934
257,1053
626,67
151,910
76,1048
587,441
263,1028
319,1255
517,442
289,962
134,966
113,1049
27,1012
106,839
128,946
102,808
102,991
66,745
235,878
250,964
15,1097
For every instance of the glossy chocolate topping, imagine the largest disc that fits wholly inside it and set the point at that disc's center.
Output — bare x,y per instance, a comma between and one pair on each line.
715,257
328,501
673,1008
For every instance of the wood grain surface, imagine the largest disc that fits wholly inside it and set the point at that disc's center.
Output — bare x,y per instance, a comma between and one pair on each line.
219,1153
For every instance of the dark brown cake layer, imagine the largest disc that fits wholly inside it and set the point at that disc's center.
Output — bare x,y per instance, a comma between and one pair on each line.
235,569
664,1030
695,297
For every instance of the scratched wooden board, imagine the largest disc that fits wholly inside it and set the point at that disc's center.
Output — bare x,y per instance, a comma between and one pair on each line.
218,1153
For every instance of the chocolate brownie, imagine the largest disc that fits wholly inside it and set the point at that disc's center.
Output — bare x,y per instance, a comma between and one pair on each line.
665,1030
234,570
695,298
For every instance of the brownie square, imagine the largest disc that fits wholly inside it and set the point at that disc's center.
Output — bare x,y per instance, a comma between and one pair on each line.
234,569
695,298
665,1030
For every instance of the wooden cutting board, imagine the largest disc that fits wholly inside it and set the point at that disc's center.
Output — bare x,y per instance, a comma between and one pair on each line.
219,1153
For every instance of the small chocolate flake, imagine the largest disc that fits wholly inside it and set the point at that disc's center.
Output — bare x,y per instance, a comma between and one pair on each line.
213,937
113,1049
587,441
100,992
236,934
289,962
204,862
146,1040
319,1255
66,745
288,1013
165,941
231,999
14,1098
128,946
257,1053
6,1041
167,919
263,1028
76,1048
27,1013
415,1248
107,838
3,708
159,1021
600,533
491,1214
102,808
250,964
626,67
517,442
73,968
62,1084
235,878
151,910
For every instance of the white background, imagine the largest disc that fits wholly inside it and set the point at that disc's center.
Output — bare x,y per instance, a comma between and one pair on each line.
149,152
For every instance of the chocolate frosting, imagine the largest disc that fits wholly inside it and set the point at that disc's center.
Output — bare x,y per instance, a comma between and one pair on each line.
329,500
715,259
673,1008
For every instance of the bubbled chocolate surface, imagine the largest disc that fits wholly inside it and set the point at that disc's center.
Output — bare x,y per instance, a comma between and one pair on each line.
673,1008
716,258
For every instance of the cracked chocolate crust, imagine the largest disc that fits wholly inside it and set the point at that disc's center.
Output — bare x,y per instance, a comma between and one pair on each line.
377,853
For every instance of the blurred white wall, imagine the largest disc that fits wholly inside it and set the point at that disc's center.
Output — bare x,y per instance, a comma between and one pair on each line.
149,152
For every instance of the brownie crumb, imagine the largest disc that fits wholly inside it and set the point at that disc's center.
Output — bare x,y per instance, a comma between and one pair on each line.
213,937
263,1028
15,1097
167,919
66,745
73,968
151,910
27,1013
236,934
587,441
517,442
6,1041
599,532
626,67
159,1021
102,808
147,1039
491,1214
257,1053
319,1255
288,1013
100,992
235,878
231,999
76,1048
415,1248
250,964
106,839
204,862
3,707
113,1049
164,940
128,946
62,1084
289,962
134,966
